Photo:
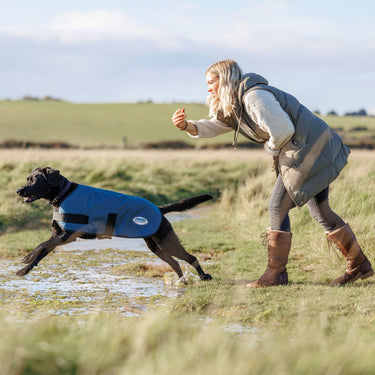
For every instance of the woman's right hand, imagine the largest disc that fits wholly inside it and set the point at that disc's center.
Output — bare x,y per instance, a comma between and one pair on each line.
179,119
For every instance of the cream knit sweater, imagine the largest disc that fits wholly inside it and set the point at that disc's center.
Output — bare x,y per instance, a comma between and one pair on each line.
265,111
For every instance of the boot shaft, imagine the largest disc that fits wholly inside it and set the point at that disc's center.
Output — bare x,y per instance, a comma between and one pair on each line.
278,247
278,243
346,242
357,264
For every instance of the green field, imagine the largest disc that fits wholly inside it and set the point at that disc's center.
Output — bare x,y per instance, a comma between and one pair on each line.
92,124
125,124
211,328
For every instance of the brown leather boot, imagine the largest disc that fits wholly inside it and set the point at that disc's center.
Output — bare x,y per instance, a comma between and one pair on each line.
278,251
357,265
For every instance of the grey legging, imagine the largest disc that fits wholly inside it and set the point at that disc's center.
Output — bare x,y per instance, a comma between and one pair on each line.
281,203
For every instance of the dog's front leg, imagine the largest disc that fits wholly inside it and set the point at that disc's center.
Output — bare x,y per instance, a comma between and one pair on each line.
34,257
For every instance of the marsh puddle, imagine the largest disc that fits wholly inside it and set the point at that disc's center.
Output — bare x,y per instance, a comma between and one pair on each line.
79,278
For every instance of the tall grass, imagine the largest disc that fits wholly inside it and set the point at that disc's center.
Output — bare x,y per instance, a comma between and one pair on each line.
306,327
241,217
166,344
161,177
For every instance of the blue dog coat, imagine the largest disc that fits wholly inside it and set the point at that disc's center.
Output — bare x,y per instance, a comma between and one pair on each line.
99,211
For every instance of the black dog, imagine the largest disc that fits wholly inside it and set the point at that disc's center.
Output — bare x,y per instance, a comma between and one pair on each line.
161,239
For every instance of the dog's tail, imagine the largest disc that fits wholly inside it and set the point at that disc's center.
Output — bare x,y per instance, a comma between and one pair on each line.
185,204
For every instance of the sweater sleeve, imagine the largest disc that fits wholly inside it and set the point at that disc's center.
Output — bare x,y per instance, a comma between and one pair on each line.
264,109
210,128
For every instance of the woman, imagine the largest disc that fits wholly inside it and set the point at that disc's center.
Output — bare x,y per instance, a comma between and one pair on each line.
308,155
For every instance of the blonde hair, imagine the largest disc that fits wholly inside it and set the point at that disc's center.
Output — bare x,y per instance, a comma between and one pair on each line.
229,74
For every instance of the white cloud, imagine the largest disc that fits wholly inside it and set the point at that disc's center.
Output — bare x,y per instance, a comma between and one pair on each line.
272,28
292,43
99,25
89,27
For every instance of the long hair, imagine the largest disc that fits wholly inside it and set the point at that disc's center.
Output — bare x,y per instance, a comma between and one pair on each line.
229,74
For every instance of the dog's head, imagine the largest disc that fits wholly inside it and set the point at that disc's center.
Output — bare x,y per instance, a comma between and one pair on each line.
42,183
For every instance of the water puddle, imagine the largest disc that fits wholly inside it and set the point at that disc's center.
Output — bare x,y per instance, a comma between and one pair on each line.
80,278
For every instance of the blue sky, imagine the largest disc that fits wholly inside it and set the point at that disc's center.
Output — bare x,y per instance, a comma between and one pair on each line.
322,51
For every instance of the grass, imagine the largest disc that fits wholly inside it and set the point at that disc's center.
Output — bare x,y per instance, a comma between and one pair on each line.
92,124
161,177
241,217
165,343
124,124
306,327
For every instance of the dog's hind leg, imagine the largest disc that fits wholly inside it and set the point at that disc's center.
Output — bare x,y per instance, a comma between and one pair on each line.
170,245
154,247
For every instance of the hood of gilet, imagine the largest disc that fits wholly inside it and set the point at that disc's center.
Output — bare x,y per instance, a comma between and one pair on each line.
250,80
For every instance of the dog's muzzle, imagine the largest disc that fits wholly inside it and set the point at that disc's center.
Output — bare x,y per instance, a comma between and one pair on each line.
26,199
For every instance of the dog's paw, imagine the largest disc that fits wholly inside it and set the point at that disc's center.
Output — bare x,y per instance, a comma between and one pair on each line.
23,271
207,277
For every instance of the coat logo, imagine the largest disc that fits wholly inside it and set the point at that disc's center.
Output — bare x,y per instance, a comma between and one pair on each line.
139,220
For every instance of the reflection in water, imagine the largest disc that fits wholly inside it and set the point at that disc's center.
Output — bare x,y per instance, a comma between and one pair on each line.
78,278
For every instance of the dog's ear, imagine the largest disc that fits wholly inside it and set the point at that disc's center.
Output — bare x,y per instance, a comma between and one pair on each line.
52,176
38,169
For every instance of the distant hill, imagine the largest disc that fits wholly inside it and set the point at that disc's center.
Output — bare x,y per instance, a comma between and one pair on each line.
51,123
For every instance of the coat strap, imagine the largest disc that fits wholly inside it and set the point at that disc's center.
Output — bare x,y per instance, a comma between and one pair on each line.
70,218
111,221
